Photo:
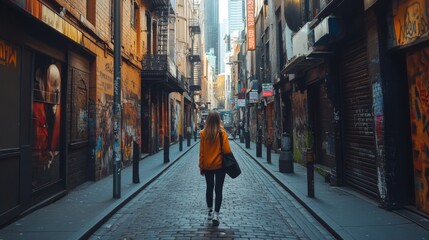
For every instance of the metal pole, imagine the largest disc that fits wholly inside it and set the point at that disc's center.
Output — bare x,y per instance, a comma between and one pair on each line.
117,102
248,121
259,135
136,159
310,173
166,149
269,151
180,142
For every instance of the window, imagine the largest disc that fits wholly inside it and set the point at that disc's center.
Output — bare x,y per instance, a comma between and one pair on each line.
134,13
90,11
112,21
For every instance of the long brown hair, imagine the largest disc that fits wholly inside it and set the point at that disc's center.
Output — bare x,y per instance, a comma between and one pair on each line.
213,125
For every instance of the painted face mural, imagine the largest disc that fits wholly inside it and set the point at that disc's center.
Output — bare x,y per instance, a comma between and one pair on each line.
46,121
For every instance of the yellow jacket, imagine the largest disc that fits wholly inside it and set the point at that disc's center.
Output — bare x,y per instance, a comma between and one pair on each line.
210,154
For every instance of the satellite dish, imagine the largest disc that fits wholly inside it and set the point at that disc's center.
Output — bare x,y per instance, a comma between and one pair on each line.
294,14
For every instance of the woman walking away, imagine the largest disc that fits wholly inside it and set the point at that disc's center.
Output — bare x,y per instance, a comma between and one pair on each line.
211,162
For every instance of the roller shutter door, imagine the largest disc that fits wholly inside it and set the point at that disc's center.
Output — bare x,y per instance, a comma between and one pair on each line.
359,147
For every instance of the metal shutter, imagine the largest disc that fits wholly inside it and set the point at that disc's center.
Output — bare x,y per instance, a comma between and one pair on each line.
358,126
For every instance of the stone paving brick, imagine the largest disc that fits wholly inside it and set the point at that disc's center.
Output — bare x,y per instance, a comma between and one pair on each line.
173,207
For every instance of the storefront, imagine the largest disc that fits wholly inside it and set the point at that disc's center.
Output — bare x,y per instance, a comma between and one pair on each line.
32,149
409,31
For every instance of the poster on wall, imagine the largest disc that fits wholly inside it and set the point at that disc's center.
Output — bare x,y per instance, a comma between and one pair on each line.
46,121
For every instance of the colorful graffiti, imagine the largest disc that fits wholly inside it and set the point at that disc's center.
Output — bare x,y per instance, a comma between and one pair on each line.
47,121
104,138
411,20
418,77
131,112
301,136
130,124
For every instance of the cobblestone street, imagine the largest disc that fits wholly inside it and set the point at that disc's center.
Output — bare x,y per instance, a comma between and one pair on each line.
173,207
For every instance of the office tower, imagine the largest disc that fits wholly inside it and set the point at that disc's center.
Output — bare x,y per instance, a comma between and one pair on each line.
235,15
211,28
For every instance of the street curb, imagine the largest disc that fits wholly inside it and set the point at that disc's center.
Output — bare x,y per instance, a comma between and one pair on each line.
301,201
103,217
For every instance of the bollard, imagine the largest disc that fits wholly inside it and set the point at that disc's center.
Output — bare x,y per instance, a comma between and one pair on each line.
269,152
180,143
247,140
195,136
166,150
188,139
117,179
259,146
241,137
136,159
286,160
310,173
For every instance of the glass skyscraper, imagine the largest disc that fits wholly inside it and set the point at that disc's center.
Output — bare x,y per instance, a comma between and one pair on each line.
211,28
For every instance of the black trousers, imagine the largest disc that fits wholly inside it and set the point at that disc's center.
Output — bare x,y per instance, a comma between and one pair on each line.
213,176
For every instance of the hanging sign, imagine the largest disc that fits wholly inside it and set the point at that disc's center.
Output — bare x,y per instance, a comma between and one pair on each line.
251,35
267,90
253,96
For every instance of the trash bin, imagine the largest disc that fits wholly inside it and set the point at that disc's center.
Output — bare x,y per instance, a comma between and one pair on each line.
286,157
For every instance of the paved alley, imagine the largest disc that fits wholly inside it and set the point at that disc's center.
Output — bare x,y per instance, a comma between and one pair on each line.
173,207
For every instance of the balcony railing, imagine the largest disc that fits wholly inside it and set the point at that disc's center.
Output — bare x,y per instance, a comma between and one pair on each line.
160,68
159,63
194,25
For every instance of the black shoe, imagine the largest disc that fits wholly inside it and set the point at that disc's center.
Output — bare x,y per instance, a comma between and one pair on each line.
216,219
210,215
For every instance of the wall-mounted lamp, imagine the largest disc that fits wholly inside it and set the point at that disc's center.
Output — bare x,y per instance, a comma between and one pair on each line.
63,11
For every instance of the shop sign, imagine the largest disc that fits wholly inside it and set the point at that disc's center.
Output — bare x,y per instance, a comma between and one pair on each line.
253,96
241,102
251,35
267,90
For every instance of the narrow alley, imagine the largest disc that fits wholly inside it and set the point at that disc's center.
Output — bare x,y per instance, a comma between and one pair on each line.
173,207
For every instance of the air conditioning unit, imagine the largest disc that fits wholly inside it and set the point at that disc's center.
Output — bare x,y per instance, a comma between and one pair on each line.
302,42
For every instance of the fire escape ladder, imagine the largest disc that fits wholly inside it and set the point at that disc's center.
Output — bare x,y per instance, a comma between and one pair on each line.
163,13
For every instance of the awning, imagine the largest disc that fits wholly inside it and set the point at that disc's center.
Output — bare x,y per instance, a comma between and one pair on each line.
303,63
187,97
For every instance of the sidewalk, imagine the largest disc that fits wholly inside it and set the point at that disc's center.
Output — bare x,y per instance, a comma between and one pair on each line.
347,214
88,206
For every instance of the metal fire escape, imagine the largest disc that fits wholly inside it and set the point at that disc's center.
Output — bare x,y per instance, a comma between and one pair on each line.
195,50
160,69
163,13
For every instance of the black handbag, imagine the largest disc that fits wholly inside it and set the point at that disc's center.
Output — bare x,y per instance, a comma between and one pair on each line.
229,164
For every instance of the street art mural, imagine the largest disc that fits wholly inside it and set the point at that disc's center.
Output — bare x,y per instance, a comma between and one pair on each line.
411,20
104,136
175,120
103,151
301,140
378,113
418,77
131,131
46,121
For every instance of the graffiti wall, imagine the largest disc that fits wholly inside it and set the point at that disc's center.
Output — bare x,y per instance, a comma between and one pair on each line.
46,121
103,118
131,130
301,135
410,19
418,77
